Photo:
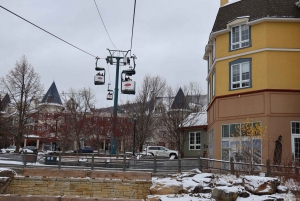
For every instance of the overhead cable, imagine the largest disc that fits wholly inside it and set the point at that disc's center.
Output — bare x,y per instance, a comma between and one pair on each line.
47,32
132,25
104,25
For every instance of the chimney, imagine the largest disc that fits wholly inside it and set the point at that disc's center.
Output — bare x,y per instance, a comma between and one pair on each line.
223,2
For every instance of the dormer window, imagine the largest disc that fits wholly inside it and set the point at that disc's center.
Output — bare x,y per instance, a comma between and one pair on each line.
240,37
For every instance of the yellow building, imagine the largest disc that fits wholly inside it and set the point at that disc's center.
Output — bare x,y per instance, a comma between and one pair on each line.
253,56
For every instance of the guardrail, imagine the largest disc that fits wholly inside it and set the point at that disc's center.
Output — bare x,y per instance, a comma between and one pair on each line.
149,164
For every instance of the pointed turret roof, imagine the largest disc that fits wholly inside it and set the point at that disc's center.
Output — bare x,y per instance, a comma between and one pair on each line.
179,101
52,95
5,101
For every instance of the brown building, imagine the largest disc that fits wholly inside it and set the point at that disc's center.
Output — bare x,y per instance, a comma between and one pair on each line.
253,73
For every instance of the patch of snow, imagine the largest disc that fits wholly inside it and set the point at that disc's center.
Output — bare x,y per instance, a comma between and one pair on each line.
222,182
82,160
204,177
188,184
232,189
172,157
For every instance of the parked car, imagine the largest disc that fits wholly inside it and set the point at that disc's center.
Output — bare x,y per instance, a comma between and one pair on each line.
161,151
85,149
11,149
29,149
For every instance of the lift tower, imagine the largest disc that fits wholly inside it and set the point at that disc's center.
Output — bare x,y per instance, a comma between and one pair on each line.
117,57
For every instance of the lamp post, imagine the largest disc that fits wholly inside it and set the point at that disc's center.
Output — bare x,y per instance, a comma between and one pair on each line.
134,118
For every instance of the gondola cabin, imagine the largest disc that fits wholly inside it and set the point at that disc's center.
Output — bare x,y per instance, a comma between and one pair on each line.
99,78
109,96
128,87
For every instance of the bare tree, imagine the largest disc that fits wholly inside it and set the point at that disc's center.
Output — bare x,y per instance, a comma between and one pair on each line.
22,84
78,107
179,105
144,107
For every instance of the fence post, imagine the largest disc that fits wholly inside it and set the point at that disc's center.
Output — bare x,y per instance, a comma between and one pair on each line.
93,160
25,158
231,166
59,160
155,163
268,168
124,163
179,164
199,164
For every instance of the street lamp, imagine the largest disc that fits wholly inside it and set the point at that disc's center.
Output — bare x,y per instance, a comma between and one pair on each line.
134,118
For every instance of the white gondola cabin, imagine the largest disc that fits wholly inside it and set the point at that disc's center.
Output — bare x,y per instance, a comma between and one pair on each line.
99,78
127,85
109,96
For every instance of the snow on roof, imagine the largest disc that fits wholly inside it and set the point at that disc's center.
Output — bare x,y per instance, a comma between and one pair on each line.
195,119
231,2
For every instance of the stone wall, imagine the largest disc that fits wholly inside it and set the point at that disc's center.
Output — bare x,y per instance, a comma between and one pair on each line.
88,187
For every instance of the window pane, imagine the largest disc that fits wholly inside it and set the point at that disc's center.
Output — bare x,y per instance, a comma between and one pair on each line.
225,130
235,34
235,86
235,73
295,127
245,71
246,84
245,32
192,147
225,144
234,130
198,138
192,138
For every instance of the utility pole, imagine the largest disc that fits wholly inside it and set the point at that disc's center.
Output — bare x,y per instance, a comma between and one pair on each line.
110,59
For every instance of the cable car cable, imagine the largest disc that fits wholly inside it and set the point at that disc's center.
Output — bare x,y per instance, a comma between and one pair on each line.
47,31
104,25
132,26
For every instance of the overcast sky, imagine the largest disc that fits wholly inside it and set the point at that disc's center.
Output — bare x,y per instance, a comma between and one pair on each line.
169,40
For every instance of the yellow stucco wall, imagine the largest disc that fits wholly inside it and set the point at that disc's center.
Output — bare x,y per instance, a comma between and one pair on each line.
283,70
263,35
283,34
270,69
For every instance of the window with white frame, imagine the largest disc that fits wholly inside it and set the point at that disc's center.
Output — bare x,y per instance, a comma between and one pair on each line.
240,37
194,141
213,87
240,73
208,91
208,64
295,127
295,130
214,50
234,145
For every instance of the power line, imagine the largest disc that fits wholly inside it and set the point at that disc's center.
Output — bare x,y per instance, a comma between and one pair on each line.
132,25
104,25
47,32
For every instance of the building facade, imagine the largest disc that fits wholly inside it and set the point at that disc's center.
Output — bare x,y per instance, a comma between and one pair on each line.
253,56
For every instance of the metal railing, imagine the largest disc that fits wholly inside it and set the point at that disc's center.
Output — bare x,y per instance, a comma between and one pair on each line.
149,164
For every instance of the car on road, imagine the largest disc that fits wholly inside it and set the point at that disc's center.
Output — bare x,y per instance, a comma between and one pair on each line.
161,151
11,149
85,149
29,149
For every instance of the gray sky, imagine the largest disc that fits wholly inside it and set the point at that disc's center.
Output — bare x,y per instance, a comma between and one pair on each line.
169,40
